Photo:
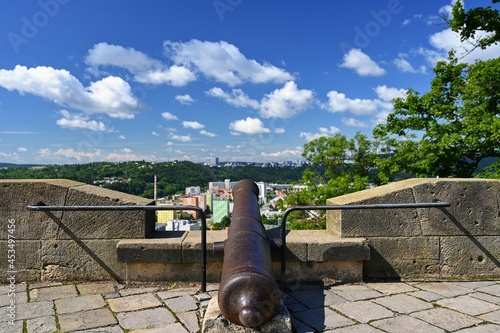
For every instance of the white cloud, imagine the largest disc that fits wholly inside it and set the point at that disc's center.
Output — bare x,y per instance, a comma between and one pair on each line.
184,99
249,126
236,98
121,137
69,120
144,68
286,102
388,94
155,133
110,95
209,134
323,131
283,153
339,102
360,62
182,138
404,65
22,149
168,116
223,62
279,130
352,122
193,125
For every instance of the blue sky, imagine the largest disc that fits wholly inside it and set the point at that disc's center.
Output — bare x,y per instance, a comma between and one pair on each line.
84,81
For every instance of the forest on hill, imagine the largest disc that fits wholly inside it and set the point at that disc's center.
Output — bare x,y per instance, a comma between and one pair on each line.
137,177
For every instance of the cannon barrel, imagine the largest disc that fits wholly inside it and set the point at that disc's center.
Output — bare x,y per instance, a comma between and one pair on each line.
248,293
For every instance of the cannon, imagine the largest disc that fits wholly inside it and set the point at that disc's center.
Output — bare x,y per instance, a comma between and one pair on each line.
248,293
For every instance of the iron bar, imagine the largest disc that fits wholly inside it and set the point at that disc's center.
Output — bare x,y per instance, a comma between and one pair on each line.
342,207
45,208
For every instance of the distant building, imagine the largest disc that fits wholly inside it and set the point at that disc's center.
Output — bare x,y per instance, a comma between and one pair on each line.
214,161
262,192
182,225
163,216
220,209
191,201
193,190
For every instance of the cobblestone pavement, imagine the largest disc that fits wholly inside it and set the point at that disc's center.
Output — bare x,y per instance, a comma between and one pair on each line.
466,307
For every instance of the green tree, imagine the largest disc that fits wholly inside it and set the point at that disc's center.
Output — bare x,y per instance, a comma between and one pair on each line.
449,130
482,23
225,222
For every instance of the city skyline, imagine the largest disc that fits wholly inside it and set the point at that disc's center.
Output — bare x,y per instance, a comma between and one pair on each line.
242,81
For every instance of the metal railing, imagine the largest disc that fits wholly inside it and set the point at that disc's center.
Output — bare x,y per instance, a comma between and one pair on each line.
47,209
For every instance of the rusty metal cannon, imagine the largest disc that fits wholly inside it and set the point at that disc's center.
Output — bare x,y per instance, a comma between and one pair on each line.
248,293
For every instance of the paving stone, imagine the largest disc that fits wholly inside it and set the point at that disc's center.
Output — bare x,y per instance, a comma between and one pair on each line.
85,320
391,288
181,304
489,328
296,307
493,317
18,298
80,303
202,297
6,327
403,303
355,292
35,310
428,296
445,289
150,318
473,285
53,293
492,290
317,298
44,285
172,328
136,291
177,293
486,297
322,319
109,329
300,327
42,325
363,328
95,288
114,294
468,305
133,303
447,319
405,324
363,311
190,321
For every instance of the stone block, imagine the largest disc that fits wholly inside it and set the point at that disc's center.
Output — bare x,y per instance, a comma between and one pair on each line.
375,222
191,246
27,260
403,257
296,247
90,260
150,250
474,207
187,272
104,224
301,272
470,257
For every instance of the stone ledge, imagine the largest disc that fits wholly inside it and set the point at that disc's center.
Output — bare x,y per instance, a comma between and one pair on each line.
302,246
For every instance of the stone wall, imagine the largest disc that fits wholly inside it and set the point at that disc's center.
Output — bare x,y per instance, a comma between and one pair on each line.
457,242
65,245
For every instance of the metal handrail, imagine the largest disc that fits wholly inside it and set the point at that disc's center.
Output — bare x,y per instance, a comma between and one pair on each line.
42,207
341,207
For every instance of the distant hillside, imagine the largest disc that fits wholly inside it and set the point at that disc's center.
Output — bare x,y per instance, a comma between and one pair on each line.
137,177
12,165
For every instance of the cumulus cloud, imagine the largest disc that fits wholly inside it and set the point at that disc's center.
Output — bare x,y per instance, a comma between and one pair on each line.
361,63
236,98
386,93
110,95
279,130
155,133
122,137
405,66
144,68
182,138
70,120
209,134
22,149
184,99
250,126
339,102
286,102
322,131
168,116
353,122
192,124
283,153
223,62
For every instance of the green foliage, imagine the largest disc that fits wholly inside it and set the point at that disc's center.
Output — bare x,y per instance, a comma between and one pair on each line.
449,130
225,222
479,19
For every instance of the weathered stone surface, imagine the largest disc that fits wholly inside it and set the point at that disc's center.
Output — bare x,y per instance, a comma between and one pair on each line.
53,293
27,263
448,320
190,320
323,319
162,250
32,310
80,303
86,320
215,322
181,304
299,272
470,257
133,303
405,324
188,272
355,292
15,327
81,260
468,305
445,289
143,319
95,288
191,245
403,303
363,311
42,325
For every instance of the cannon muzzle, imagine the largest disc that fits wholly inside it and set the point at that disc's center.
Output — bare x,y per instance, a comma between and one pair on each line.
248,293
